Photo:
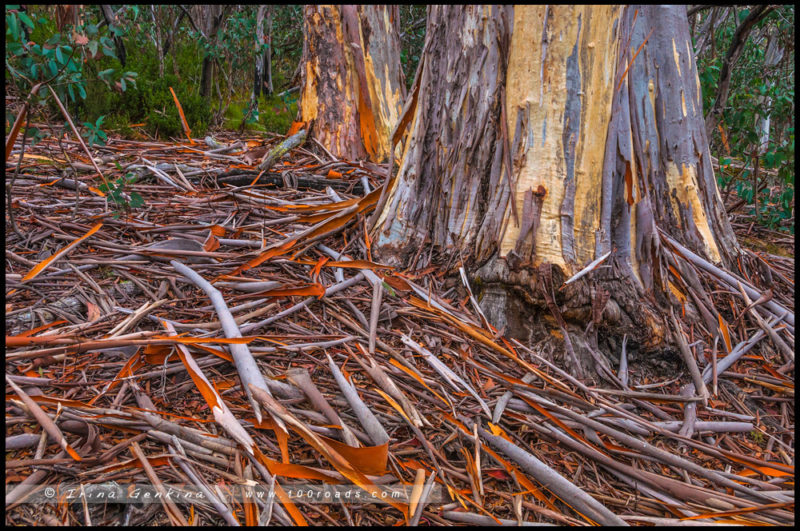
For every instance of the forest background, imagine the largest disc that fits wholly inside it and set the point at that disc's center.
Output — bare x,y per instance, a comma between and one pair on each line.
115,67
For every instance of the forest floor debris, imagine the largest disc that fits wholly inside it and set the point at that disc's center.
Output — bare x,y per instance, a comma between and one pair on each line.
119,366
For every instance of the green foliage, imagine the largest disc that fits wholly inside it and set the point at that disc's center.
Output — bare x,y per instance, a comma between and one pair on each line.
275,115
760,86
151,103
39,52
412,38
93,134
116,192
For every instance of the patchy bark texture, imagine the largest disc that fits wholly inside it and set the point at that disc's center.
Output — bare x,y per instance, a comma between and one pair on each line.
452,189
597,112
352,86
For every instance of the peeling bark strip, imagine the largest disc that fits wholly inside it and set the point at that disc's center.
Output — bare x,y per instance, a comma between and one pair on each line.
531,214
450,186
352,79
572,124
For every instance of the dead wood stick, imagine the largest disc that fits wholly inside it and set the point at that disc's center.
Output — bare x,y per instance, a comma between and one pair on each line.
647,448
44,420
729,279
29,485
550,479
328,292
482,519
174,514
455,381
222,414
300,378
245,363
370,423
377,293
187,468
281,149
502,402
421,501
691,363
773,335
738,351
77,134
387,384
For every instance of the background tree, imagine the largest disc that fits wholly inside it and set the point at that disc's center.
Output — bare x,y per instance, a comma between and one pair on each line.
352,84
544,138
745,58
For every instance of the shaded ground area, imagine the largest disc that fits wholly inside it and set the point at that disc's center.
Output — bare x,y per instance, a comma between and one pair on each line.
378,378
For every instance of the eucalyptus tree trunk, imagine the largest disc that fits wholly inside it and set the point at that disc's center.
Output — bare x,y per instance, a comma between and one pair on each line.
211,18
268,88
258,70
543,139
352,86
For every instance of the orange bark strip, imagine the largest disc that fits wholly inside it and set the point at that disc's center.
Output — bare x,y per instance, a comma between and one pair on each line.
314,273
39,329
628,184
289,470
127,370
352,264
210,395
296,127
313,290
290,507
726,335
33,273
183,118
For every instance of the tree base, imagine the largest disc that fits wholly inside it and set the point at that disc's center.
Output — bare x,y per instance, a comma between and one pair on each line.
595,314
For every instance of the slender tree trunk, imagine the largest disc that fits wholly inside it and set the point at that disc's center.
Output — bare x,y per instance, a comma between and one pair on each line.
268,88
108,15
157,39
258,74
211,21
734,51
544,138
351,78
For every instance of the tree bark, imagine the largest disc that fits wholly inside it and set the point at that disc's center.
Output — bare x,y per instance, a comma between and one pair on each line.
544,138
351,78
212,17
268,89
108,15
258,74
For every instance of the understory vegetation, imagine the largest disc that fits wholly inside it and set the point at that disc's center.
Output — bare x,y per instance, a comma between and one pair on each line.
114,68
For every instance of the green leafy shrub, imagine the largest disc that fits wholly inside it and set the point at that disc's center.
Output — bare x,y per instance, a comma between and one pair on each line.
151,101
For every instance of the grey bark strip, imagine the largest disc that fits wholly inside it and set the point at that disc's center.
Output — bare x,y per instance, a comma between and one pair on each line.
387,384
552,480
691,363
370,423
451,377
771,305
44,420
302,379
377,294
648,449
245,363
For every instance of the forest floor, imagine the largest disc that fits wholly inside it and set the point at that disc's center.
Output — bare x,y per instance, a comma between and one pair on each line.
382,379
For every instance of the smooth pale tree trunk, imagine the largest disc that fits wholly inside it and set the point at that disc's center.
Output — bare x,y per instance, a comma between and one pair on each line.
351,78
258,69
543,138
268,88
